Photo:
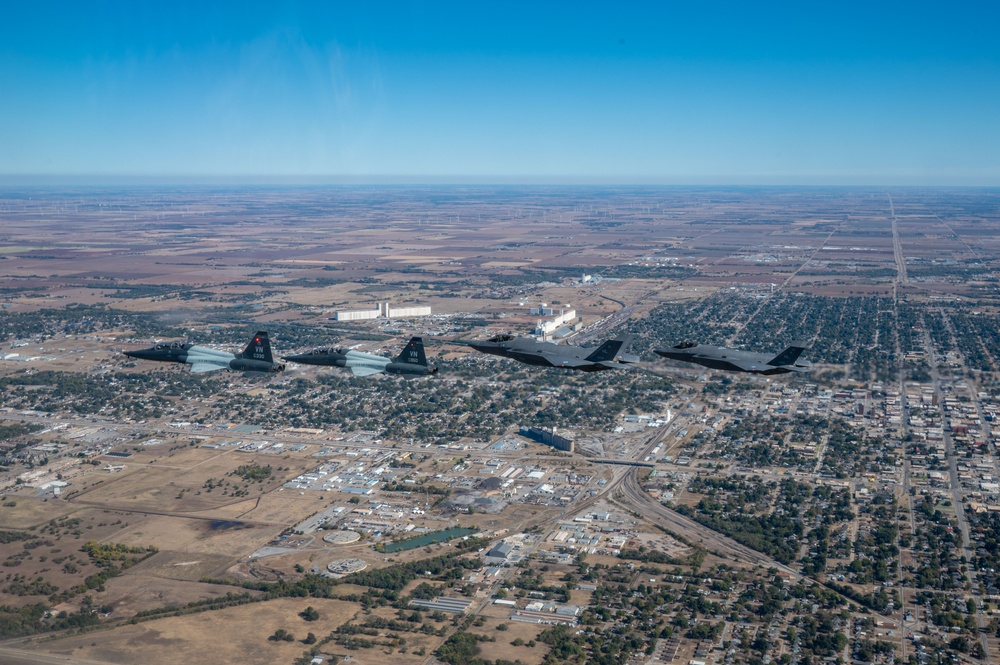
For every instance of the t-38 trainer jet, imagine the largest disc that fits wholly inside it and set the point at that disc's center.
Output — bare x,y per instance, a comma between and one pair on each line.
411,362
609,355
734,360
255,358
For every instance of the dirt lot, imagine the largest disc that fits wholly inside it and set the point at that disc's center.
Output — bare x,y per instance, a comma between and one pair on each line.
196,536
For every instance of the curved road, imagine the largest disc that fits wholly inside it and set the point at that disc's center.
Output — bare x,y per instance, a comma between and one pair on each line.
632,495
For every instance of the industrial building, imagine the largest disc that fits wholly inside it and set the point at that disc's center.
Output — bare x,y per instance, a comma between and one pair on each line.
499,554
564,317
383,310
548,438
442,604
358,315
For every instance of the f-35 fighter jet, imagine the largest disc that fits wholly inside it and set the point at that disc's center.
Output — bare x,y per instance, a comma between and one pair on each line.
734,360
255,358
609,355
411,362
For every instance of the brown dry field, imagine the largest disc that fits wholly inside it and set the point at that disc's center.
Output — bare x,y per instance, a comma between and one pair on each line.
244,245
136,590
32,511
195,536
232,635
152,244
156,486
503,649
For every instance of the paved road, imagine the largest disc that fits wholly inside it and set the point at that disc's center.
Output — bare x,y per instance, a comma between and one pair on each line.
11,656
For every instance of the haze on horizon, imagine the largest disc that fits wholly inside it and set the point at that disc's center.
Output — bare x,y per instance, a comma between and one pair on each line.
581,93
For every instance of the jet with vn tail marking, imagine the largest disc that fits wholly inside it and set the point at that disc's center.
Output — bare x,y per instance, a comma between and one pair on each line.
255,358
411,362
735,360
609,355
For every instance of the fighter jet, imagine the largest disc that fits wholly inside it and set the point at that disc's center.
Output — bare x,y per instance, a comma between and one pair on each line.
547,354
411,362
255,358
734,360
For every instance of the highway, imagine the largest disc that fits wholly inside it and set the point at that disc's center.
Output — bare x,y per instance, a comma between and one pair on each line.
632,496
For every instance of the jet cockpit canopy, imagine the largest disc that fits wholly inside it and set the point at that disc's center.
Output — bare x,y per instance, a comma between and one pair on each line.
502,337
686,345
327,351
166,346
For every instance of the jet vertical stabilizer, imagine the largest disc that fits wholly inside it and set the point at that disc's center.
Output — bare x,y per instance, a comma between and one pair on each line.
789,355
412,361
413,352
609,350
259,348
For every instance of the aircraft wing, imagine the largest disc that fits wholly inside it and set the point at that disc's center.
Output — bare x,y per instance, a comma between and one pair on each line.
572,363
748,366
364,371
531,358
204,367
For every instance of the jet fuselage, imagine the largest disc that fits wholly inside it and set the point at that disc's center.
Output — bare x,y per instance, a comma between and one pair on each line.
411,362
736,360
548,354
256,357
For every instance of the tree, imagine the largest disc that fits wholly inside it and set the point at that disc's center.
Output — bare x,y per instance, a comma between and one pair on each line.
309,614
281,635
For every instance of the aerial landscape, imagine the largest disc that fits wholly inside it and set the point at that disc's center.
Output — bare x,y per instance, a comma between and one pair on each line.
665,511
499,334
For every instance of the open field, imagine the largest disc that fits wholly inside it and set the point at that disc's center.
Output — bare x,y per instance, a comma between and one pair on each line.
210,637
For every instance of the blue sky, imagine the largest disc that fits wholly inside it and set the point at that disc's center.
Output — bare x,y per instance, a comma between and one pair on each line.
575,92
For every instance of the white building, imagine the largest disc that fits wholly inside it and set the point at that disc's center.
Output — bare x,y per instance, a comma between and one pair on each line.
383,310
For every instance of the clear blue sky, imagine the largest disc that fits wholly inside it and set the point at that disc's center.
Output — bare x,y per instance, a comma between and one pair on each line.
659,92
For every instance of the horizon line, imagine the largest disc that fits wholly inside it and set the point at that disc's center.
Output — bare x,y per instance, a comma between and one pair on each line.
8,180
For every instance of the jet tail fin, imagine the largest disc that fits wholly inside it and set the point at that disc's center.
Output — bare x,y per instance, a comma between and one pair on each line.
413,353
789,355
259,348
610,349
